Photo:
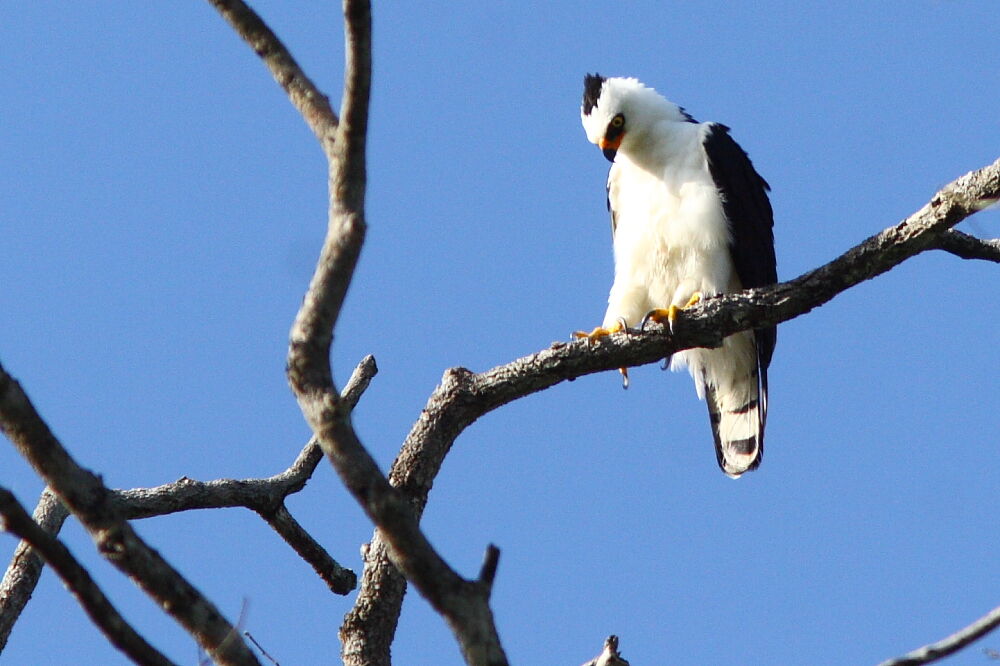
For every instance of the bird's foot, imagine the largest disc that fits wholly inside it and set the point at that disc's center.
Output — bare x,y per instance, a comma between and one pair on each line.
601,332
669,314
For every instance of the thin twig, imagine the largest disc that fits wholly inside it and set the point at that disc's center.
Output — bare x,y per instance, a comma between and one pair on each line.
259,647
969,247
303,93
950,644
97,606
488,572
340,579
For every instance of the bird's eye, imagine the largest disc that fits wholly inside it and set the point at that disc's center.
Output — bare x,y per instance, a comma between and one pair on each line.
618,121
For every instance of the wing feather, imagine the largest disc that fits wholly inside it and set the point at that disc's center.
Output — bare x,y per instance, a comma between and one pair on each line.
751,225
751,220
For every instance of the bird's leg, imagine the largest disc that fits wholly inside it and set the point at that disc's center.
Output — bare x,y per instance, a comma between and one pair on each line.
669,314
600,332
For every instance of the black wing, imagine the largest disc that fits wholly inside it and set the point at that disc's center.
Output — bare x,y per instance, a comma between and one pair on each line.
751,222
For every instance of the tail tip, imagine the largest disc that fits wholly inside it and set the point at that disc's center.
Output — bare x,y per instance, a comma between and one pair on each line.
736,457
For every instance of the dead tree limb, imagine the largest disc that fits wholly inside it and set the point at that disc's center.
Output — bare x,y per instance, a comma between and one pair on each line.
264,496
950,644
464,604
14,519
93,504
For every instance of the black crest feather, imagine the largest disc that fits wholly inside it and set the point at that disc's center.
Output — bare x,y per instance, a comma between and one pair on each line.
592,84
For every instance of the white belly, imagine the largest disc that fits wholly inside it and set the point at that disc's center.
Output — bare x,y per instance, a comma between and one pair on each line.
671,240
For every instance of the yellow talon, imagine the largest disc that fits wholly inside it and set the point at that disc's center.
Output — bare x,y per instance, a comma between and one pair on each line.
694,300
670,314
601,332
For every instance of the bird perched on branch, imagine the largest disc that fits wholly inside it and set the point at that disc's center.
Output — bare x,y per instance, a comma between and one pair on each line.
690,219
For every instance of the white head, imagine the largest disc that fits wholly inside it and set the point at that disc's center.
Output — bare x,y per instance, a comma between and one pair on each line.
618,112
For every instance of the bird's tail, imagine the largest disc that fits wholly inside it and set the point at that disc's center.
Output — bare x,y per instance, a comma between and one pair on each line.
738,412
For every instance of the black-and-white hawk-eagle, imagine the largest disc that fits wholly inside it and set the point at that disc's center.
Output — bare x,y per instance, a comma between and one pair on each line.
690,218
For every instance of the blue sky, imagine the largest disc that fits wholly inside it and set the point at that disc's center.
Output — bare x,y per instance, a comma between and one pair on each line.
163,205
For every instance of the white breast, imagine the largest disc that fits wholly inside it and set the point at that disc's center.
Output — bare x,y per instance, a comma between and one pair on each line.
671,238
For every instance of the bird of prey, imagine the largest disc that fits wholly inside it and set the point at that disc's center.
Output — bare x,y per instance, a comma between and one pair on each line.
690,218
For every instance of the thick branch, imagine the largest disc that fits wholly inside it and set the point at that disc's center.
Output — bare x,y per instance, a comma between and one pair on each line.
464,396
26,566
119,632
951,644
86,496
307,98
312,331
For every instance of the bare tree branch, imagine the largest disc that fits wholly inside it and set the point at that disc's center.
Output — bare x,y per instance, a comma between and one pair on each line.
609,656
100,610
312,332
307,98
25,567
261,495
265,496
463,603
339,579
950,644
969,247
86,496
464,396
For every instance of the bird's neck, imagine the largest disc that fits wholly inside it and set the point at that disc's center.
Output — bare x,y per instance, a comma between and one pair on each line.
663,144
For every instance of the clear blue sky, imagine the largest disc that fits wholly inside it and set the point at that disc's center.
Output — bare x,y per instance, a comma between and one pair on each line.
163,204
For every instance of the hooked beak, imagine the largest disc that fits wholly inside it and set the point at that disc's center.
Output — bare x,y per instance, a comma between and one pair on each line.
610,148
